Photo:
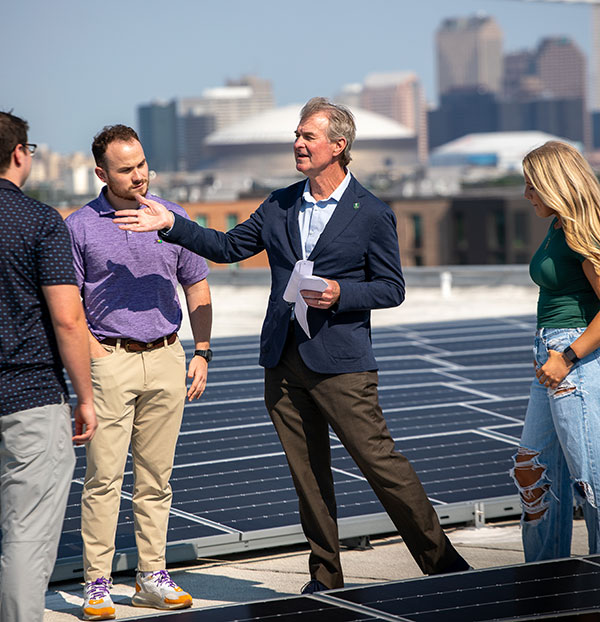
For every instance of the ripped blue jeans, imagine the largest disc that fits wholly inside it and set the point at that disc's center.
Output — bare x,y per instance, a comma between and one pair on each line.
559,458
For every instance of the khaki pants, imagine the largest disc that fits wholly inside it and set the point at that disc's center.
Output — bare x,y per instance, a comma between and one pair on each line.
139,398
37,460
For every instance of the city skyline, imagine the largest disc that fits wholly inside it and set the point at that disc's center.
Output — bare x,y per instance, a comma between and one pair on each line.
75,67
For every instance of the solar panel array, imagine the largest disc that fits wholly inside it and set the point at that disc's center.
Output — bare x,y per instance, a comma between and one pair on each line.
567,589
454,395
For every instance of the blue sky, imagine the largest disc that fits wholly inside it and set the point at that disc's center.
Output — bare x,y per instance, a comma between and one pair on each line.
71,66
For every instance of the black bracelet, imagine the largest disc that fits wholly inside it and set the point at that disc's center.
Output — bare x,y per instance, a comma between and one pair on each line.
570,355
205,354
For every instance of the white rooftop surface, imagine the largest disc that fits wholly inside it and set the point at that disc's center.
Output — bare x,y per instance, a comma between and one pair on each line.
240,310
278,125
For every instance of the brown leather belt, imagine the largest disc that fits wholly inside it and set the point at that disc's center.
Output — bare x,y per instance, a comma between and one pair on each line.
131,345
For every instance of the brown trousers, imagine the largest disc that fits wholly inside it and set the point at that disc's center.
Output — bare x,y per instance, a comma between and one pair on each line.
302,404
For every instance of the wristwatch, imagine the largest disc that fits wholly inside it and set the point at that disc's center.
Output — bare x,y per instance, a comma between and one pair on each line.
570,355
205,354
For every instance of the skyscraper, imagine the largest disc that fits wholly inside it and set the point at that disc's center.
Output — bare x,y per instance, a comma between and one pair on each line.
469,54
398,95
560,66
157,124
173,132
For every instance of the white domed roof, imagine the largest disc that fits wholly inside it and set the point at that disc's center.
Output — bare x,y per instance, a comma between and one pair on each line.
278,125
503,149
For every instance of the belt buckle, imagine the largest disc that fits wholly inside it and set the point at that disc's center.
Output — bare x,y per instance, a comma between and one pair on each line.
133,346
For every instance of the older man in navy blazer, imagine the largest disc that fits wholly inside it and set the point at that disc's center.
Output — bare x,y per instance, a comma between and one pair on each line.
329,378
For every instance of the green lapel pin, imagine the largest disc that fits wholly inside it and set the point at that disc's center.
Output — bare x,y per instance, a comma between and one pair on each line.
356,205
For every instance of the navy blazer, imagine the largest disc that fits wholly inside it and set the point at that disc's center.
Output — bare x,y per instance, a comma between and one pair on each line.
358,248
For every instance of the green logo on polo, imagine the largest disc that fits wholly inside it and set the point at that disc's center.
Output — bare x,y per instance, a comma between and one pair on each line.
356,205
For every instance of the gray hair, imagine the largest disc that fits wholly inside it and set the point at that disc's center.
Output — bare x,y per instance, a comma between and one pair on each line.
341,122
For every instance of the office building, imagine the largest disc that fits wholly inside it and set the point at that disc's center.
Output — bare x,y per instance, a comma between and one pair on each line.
157,124
399,96
469,54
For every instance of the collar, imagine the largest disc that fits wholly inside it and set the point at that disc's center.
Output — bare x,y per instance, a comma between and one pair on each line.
335,196
103,204
5,184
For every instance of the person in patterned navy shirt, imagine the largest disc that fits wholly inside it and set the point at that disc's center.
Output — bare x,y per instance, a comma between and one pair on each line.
42,328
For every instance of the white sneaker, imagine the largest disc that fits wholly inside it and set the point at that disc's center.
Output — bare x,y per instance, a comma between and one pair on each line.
159,591
97,603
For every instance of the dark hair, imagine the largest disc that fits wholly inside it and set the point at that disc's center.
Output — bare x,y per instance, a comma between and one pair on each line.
107,135
341,123
13,132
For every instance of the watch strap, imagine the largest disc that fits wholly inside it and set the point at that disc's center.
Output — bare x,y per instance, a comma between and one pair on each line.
570,355
205,354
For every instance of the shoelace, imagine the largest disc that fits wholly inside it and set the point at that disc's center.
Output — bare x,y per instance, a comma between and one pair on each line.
100,588
162,578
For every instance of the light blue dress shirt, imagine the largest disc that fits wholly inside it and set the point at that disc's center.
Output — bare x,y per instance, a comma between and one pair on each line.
314,215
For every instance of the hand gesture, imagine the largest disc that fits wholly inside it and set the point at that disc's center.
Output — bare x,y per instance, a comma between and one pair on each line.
151,216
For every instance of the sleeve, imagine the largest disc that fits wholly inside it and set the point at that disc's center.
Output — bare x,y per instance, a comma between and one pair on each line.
191,267
383,286
77,253
53,252
241,242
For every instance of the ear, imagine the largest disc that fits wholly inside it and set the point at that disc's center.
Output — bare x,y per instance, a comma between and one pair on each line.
18,156
340,145
101,174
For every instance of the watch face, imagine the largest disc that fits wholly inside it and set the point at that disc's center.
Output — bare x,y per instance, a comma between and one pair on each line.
206,354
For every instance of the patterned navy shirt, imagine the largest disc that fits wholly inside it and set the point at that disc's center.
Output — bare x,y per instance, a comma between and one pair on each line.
35,250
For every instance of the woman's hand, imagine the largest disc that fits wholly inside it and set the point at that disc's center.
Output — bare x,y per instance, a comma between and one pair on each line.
554,370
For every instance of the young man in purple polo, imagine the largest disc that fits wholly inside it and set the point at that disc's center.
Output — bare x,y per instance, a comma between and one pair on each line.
128,284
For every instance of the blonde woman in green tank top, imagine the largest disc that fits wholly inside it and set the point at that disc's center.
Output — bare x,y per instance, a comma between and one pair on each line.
558,460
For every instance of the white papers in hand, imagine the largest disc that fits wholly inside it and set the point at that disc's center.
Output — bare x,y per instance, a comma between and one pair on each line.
300,279
315,284
303,268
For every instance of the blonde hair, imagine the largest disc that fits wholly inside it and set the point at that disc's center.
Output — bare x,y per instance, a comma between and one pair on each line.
566,184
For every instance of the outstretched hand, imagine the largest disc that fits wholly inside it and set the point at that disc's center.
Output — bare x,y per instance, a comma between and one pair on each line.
151,216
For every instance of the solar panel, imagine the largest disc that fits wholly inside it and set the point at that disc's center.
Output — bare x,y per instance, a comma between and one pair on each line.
291,610
567,589
549,589
454,395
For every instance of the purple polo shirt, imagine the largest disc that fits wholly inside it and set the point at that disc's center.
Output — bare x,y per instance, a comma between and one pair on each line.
128,280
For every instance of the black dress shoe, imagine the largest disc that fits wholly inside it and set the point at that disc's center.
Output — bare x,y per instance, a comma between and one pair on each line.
313,586
459,565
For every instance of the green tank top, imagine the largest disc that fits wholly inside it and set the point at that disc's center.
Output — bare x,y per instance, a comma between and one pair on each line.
566,300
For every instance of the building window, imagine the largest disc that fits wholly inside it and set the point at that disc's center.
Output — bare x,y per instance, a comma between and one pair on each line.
231,221
521,223
202,220
461,236
496,230
417,224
